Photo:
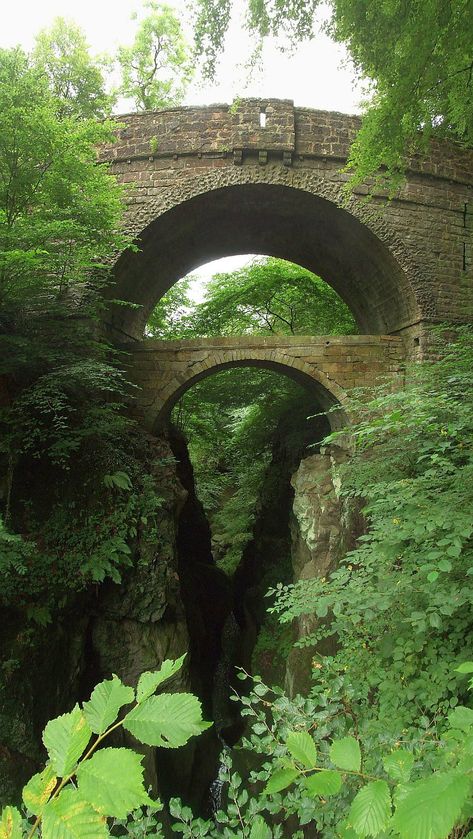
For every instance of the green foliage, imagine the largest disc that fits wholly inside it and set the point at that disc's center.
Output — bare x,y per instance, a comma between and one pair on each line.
345,754
416,56
424,83
155,68
65,739
76,80
148,682
294,745
82,534
169,317
400,602
267,297
83,786
59,218
167,720
104,704
240,409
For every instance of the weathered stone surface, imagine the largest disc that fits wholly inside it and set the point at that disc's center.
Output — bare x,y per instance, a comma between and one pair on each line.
327,366
323,526
397,263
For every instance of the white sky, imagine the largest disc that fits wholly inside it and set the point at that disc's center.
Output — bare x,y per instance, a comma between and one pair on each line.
317,75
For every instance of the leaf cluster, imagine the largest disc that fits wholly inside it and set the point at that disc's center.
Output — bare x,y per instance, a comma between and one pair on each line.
83,785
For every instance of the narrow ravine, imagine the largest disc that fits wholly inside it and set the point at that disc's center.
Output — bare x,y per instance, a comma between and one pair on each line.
226,617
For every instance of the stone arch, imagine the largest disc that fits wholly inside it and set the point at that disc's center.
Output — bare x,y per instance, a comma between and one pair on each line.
327,392
293,214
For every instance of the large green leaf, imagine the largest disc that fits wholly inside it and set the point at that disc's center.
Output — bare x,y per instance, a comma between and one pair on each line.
431,807
103,706
167,720
10,824
149,681
38,789
65,739
398,765
461,717
259,829
280,779
70,817
370,809
465,667
302,748
345,754
112,780
327,782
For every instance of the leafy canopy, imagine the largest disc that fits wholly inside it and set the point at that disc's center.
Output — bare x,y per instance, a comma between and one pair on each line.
156,67
267,297
75,78
416,56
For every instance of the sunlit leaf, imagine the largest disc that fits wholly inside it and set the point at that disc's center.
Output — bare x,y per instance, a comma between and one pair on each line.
65,739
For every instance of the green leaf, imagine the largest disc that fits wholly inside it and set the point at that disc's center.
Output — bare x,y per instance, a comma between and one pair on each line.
259,829
168,720
302,748
149,681
461,717
370,809
70,817
112,781
105,702
65,739
346,832
260,689
431,807
327,782
345,754
465,667
10,824
280,779
398,765
37,791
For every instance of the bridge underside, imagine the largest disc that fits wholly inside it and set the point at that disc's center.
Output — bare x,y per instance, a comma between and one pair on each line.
329,366
274,220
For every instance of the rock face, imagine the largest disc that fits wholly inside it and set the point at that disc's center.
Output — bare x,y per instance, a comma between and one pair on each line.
324,526
171,601
267,559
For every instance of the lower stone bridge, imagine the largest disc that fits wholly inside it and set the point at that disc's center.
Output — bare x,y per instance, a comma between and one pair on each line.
328,365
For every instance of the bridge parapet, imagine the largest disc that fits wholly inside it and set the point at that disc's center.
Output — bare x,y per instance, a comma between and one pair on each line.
330,365
222,130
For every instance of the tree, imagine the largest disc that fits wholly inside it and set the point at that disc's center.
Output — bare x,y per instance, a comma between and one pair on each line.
59,210
75,79
418,57
156,67
267,297
169,315
59,222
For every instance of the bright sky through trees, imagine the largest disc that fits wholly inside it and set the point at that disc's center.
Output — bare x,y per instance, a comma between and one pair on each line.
318,74
313,77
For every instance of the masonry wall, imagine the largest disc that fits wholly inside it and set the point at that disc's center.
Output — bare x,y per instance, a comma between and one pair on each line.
333,364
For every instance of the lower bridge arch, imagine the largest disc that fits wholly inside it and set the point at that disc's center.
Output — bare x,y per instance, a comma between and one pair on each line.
327,393
328,366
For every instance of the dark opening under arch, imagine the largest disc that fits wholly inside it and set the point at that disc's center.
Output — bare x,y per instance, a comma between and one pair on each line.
329,397
265,218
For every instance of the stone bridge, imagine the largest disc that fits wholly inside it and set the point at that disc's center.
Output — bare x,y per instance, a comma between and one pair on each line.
329,366
208,182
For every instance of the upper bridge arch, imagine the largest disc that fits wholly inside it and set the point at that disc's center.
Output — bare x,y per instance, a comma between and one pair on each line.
209,182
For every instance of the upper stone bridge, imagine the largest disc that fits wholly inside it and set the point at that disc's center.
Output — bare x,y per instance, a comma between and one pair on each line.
207,182
329,366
